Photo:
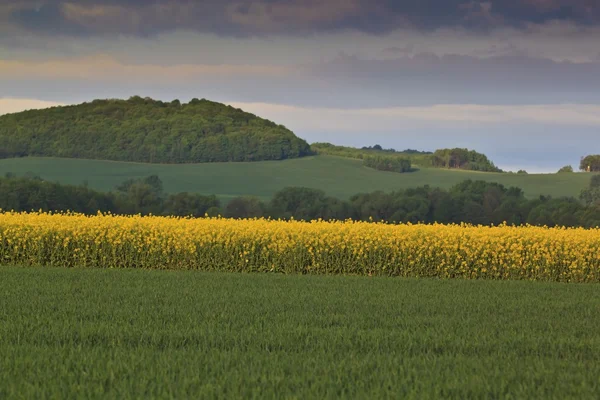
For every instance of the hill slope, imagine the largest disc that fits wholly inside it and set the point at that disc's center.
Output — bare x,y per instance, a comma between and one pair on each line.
145,130
337,176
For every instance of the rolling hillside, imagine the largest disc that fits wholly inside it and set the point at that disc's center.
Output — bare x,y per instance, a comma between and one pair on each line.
339,177
146,130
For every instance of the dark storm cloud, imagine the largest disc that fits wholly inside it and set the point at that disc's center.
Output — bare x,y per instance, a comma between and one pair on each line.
263,17
48,18
539,11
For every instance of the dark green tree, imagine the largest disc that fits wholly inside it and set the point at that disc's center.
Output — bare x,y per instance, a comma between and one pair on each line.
565,169
590,163
245,207
591,195
190,204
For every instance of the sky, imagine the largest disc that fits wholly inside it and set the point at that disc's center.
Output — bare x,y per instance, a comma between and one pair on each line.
515,79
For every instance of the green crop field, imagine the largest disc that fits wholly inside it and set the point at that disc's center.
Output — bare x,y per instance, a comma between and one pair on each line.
339,177
72,333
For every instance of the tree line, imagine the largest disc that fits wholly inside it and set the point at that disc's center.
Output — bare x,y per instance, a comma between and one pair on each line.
387,163
136,196
146,130
379,158
475,202
463,159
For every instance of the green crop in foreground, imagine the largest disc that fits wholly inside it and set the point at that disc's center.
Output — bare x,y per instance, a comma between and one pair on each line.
68,333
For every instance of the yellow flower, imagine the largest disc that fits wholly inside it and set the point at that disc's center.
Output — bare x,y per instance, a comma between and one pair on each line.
465,251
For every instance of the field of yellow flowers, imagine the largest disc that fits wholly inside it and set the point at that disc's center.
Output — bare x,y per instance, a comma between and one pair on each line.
318,247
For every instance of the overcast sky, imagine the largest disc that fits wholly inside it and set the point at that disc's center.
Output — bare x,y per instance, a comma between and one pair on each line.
517,79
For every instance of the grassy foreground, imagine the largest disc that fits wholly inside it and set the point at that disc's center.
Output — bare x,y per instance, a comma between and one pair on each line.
338,177
67,333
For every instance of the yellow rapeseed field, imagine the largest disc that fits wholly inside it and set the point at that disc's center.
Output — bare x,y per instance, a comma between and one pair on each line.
446,251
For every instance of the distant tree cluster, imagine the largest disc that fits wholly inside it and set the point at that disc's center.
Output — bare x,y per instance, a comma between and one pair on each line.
378,147
341,151
413,151
388,163
590,163
373,157
463,159
566,169
145,130
353,152
443,158
475,202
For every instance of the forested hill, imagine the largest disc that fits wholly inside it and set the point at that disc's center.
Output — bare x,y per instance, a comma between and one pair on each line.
146,130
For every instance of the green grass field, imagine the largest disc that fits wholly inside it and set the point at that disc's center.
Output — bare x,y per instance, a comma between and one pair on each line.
339,177
68,333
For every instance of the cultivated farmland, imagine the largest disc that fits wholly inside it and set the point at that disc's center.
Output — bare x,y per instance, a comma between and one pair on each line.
91,333
317,247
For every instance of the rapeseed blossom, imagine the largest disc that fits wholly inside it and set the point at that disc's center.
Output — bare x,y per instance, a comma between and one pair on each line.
318,247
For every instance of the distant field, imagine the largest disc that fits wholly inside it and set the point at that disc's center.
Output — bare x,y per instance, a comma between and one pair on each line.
68,333
339,177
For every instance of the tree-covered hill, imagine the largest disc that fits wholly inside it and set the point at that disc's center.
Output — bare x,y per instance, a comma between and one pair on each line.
146,130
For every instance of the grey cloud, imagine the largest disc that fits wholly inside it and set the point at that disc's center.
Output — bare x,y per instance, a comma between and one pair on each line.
508,49
400,50
47,18
539,11
348,82
264,17
428,78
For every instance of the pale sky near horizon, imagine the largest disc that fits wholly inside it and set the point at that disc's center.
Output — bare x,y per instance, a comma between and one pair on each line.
516,79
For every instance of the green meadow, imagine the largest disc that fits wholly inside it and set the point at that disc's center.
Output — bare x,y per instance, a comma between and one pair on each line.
338,177
73,333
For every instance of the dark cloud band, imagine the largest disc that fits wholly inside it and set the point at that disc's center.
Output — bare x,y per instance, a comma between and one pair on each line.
264,17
